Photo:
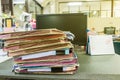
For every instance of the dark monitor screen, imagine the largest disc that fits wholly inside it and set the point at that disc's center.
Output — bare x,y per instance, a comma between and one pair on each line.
109,30
75,23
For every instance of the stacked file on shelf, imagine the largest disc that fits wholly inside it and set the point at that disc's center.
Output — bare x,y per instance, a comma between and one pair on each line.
45,51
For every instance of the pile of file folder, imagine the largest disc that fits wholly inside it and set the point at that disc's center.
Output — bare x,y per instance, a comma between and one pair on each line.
44,51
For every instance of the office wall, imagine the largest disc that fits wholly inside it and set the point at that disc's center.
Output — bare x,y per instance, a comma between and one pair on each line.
18,9
49,7
100,23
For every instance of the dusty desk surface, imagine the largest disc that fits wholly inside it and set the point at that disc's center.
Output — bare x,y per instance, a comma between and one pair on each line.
104,67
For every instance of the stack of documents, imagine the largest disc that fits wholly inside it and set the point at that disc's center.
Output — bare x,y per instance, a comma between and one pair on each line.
45,51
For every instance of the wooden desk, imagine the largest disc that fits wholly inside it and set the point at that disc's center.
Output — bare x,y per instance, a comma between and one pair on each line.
104,67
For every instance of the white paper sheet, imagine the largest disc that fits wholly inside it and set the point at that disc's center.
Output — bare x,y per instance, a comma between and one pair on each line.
3,56
101,44
37,55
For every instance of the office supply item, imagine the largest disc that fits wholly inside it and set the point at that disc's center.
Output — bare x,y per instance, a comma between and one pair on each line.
48,63
21,34
47,70
45,58
8,22
100,44
36,49
70,36
33,39
33,43
47,53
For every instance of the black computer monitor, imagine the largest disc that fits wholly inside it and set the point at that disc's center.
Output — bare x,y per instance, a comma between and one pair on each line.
109,30
76,23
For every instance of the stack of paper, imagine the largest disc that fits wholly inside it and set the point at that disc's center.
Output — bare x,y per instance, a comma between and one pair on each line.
45,51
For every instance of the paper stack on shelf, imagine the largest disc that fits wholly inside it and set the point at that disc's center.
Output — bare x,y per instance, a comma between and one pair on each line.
45,51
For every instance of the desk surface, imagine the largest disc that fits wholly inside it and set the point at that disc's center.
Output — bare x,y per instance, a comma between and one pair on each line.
104,67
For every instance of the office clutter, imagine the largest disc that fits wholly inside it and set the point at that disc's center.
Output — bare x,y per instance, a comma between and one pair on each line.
45,51
15,24
70,36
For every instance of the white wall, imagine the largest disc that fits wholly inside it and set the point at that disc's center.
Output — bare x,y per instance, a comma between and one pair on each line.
100,23
18,9
49,7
